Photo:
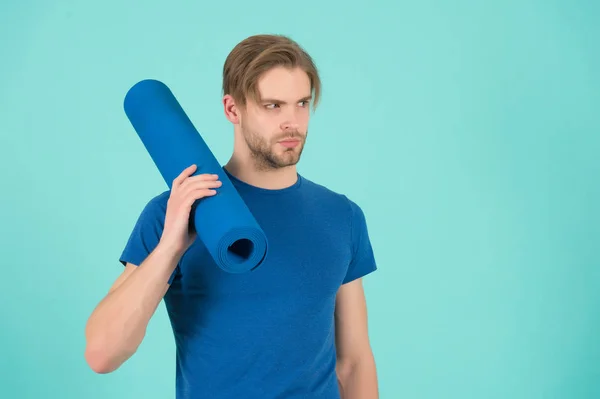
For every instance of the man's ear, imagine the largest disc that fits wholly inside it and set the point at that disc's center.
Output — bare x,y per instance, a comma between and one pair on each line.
232,112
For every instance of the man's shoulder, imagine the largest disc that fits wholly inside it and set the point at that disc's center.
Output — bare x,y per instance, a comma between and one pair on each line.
328,195
157,204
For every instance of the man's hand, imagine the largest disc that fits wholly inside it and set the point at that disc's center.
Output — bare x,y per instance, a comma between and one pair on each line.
185,190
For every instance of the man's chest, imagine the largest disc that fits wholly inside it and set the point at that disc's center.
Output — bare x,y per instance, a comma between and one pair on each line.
308,252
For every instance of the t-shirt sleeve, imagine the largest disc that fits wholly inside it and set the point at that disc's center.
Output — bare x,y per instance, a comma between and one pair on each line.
363,259
145,235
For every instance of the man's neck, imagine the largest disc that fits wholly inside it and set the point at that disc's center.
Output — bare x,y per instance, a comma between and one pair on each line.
272,179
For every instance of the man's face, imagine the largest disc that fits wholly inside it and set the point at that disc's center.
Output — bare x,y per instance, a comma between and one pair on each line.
275,127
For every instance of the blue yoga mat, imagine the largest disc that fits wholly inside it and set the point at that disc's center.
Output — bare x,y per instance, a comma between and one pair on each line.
223,222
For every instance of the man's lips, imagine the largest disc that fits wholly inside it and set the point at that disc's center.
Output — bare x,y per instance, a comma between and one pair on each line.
289,143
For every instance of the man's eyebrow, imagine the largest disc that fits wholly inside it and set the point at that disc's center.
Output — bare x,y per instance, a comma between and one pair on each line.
276,101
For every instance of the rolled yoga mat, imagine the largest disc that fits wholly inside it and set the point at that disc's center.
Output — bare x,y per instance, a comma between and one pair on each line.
223,222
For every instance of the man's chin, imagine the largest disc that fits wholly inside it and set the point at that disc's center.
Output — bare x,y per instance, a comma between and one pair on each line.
288,160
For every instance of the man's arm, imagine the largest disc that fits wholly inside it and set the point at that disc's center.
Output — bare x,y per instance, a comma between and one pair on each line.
118,324
159,239
355,369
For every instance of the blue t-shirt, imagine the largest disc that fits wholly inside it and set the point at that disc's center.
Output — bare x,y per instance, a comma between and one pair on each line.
268,333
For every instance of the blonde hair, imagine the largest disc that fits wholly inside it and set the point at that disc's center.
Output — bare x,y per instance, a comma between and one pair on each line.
257,54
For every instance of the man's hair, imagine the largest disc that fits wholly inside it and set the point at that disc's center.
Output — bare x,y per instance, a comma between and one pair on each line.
257,54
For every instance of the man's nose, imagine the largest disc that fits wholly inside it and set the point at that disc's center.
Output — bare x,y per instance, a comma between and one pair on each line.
290,120
289,126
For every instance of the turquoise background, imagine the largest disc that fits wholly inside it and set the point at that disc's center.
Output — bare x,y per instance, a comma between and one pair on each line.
468,131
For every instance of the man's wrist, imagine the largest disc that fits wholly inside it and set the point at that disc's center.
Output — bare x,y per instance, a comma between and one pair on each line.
168,254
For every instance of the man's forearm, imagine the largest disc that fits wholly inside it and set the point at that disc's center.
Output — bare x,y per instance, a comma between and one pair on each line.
358,379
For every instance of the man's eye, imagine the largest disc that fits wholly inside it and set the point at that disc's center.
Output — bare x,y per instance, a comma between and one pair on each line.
272,106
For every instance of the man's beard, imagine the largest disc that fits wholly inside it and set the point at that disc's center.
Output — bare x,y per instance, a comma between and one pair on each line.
263,154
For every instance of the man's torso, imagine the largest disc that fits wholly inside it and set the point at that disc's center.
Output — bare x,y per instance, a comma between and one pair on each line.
267,333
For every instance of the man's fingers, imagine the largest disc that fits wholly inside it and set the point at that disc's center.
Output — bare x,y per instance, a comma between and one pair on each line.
183,175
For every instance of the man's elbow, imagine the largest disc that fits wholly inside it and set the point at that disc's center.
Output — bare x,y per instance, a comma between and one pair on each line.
357,377
99,361
347,365
343,369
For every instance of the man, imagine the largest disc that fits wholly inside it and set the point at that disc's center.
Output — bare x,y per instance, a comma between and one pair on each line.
295,327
